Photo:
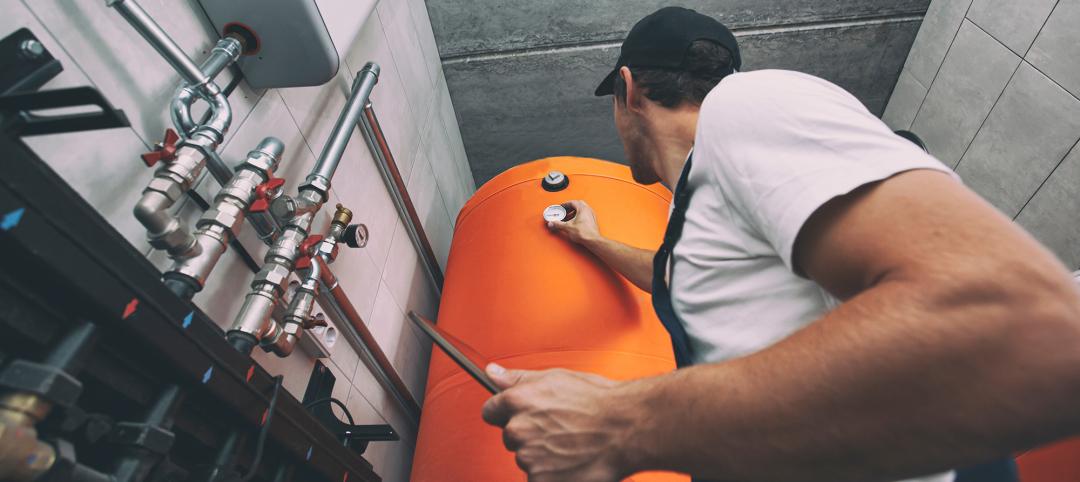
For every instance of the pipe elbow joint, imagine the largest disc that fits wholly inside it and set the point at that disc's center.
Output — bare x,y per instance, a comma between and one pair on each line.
180,110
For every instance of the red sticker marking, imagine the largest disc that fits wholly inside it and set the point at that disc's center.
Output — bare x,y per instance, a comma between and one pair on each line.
265,414
130,308
250,372
345,478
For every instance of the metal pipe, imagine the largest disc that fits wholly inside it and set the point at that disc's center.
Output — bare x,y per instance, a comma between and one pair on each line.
328,160
332,297
253,324
384,158
180,110
221,223
224,53
152,32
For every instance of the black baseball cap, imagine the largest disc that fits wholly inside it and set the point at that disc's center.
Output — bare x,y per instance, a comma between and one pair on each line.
661,40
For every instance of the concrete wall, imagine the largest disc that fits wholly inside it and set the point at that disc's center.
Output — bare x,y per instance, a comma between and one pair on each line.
97,48
523,72
993,87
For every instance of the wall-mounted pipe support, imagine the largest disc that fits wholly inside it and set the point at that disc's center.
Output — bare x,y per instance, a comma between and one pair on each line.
388,169
221,223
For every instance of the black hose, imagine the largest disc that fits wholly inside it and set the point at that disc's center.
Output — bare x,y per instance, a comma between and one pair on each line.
334,401
261,444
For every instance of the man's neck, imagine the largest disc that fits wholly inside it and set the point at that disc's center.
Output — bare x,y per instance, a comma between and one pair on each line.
674,139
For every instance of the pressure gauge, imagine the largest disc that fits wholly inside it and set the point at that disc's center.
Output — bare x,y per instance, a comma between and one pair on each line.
558,213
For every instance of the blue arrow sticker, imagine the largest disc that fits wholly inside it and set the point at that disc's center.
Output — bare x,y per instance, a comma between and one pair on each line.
206,376
187,319
12,219
309,451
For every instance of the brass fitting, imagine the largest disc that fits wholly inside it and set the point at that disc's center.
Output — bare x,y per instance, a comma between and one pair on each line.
22,456
342,216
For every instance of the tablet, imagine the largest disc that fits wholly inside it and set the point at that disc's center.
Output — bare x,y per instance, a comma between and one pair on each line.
466,358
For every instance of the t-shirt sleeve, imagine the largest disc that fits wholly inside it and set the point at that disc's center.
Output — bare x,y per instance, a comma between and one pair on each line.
782,144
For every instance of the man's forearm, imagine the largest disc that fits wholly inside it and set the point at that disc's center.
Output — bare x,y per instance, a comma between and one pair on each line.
634,264
902,380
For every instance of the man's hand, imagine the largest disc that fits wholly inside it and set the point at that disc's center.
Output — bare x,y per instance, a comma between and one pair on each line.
582,229
561,425
635,264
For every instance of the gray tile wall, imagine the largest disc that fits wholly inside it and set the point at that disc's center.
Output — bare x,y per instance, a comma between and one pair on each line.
97,48
993,87
524,71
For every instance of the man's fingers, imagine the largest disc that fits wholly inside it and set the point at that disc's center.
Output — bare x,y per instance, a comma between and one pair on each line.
497,410
557,226
576,204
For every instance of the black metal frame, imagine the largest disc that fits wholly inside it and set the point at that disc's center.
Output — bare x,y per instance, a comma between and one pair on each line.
321,387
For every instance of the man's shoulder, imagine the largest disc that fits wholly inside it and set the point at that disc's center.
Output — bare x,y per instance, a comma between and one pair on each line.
763,87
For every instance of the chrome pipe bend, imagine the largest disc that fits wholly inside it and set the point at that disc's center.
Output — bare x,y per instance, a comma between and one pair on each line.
220,112
180,110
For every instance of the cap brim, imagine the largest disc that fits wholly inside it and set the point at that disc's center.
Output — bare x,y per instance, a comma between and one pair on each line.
607,86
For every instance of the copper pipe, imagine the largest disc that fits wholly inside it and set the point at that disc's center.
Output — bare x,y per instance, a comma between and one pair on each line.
400,194
371,352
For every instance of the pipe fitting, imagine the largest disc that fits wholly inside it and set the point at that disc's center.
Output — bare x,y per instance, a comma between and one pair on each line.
23,457
221,223
224,53
163,230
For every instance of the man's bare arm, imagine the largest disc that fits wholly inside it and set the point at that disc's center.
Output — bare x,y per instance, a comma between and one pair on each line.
957,343
634,264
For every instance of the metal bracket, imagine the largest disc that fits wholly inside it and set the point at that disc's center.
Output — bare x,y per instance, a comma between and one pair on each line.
321,387
25,64
26,123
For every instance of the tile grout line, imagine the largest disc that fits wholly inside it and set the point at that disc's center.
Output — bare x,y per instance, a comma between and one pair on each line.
1048,176
1041,27
1051,79
938,71
996,101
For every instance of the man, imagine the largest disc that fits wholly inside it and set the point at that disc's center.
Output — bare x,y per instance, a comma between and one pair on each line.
851,311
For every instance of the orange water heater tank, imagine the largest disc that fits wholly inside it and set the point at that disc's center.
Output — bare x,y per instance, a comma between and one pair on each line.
526,298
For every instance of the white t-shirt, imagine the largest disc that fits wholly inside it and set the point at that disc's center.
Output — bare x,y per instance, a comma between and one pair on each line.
772,146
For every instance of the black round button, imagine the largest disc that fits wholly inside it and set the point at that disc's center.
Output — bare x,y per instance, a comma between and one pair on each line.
555,181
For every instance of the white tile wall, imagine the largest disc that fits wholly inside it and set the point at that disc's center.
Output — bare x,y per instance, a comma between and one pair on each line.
383,280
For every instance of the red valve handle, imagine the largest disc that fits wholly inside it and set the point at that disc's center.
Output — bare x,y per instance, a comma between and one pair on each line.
303,261
165,151
262,193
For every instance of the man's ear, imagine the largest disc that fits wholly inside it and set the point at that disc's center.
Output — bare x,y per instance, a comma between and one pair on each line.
633,95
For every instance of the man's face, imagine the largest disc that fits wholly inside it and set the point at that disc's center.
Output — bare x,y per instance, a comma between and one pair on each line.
635,143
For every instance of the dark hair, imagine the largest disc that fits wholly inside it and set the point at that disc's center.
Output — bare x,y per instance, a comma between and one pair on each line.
706,63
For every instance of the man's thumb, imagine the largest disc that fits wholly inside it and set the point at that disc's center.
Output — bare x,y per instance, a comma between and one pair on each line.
504,378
